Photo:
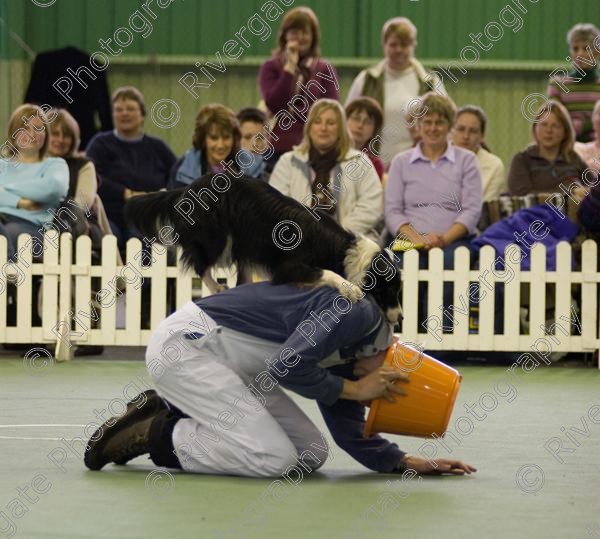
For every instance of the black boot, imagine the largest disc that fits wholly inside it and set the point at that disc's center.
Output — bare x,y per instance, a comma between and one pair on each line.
122,439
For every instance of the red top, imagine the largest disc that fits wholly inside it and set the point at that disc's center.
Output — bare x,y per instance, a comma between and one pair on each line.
280,88
377,163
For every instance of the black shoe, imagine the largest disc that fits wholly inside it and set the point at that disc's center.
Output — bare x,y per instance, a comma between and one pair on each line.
122,439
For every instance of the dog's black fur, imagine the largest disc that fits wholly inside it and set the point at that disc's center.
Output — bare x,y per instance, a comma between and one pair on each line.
218,208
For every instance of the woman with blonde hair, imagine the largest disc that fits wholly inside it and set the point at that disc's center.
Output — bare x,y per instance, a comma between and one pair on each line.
324,172
295,69
32,185
550,164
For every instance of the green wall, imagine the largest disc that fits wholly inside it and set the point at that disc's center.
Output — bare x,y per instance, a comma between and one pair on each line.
350,28
193,30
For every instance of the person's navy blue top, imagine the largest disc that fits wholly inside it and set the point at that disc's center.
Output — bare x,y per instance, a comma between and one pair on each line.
143,164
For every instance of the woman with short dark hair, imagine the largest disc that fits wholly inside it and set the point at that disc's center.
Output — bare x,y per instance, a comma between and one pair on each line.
216,147
365,121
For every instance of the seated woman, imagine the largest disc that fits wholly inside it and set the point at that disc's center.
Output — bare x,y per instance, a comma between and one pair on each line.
590,151
32,185
128,161
434,194
83,183
365,121
550,164
216,148
325,172
468,133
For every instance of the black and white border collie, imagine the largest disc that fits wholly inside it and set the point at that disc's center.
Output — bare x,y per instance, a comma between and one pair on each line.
220,219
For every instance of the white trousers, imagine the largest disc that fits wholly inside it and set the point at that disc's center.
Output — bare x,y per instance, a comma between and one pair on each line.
233,428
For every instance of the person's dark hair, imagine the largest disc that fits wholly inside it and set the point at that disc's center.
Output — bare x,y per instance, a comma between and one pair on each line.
221,117
252,114
300,18
481,116
371,107
130,92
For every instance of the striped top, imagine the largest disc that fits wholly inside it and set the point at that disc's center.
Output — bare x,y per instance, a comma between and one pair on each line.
578,93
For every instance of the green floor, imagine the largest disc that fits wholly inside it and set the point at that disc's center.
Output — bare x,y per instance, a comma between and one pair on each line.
343,500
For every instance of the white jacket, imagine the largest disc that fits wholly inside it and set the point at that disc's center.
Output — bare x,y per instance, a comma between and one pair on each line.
356,187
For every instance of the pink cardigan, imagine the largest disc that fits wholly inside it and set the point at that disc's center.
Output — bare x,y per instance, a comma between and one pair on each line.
278,88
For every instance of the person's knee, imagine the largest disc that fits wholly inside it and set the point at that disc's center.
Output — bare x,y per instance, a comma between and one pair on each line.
312,459
278,459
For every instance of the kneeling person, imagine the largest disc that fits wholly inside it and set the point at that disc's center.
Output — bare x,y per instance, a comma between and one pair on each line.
219,365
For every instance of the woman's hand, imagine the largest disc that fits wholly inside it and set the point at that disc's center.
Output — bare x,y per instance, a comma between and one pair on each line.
437,466
380,383
292,56
29,205
434,240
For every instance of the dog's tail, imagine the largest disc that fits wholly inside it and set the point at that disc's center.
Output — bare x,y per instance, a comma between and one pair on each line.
151,212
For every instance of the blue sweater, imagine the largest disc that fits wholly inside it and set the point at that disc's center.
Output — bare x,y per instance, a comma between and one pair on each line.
46,182
140,165
289,315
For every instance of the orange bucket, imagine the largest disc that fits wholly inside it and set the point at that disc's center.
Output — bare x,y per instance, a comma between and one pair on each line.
426,408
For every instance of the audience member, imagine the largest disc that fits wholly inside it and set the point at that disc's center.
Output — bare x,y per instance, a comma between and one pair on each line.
32,185
468,133
215,148
394,83
590,151
255,135
434,191
550,164
295,76
83,183
325,172
579,90
434,195
365,121
128,161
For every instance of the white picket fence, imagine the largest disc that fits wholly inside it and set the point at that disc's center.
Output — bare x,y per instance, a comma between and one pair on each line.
75,310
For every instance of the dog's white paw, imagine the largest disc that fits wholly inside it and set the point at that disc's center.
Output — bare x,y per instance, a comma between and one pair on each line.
345,287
